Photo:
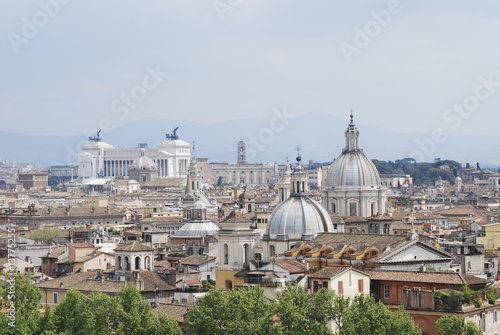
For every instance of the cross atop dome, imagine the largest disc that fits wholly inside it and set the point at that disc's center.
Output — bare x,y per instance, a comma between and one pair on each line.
352,116
298,153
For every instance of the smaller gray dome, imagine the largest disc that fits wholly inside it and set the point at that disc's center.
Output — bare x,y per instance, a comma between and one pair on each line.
197,229
199,205
143,162
298,217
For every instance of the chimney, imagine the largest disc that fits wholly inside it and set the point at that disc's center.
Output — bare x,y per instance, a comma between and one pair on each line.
139,284
61,285
68,209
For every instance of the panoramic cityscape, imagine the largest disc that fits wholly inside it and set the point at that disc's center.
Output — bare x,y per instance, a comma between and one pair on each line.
235,167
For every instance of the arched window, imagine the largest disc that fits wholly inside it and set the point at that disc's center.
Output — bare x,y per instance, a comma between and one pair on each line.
272,250
127,263
147,263
246,256
226,254
119,261
137,263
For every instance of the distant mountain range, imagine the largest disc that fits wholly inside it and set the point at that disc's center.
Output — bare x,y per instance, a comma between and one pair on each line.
320,136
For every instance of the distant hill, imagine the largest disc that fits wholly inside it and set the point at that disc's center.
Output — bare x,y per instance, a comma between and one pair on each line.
320,136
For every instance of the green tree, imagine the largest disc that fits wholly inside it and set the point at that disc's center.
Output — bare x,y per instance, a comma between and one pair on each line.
492,294
44,235
300,312
21,297
366,317
245,311
453,325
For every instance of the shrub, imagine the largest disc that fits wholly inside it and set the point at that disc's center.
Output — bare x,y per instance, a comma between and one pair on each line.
492,295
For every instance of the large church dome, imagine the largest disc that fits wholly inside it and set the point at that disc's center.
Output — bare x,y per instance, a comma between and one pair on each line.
299,217
353,167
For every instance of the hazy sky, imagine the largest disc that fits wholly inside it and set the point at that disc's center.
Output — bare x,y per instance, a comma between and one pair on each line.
70,66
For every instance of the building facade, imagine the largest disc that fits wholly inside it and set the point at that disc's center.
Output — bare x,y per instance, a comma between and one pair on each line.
100,159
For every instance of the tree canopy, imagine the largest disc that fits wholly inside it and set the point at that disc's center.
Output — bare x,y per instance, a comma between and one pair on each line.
248,311
453,325
422,173
93,314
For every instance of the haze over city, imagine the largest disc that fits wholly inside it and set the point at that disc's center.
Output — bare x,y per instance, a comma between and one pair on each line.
424,68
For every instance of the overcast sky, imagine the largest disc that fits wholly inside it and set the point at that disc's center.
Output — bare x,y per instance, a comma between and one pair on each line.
401,66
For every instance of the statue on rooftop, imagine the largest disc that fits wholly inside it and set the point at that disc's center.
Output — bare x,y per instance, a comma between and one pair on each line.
96,138
173,135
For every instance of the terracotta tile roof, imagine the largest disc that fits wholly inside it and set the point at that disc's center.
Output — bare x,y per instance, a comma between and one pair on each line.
451,278
293,266
165,182
385,244
236,217
91,256
175,311
55,253
133,246
329,272
192,281
458,211
355,219
132,233
418,216
81,245
196,260
88,282
61,212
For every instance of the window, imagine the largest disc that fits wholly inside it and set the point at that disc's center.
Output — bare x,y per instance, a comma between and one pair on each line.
495,316
56,298
325,284
386,292
151,298
100,261
162,297
360,286
226,254
475,318
184,300
341,287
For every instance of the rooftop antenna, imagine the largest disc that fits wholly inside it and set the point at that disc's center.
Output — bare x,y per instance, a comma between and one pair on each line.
352,116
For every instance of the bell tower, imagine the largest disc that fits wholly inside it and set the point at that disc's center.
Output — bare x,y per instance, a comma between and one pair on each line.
242,156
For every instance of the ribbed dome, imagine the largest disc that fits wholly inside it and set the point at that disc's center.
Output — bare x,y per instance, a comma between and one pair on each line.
143,162
353,169
197,229
299,217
